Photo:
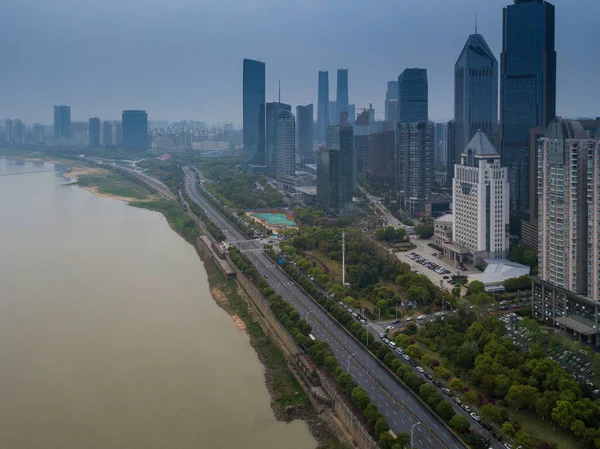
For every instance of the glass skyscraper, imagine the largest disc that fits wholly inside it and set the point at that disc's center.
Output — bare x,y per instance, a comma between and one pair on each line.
475,95
94,132
413,96
62,122
342,94
391,101
323,106
305,131
527,88
254,113
135,130
273,110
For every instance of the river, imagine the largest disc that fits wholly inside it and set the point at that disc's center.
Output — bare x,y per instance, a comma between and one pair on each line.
109,336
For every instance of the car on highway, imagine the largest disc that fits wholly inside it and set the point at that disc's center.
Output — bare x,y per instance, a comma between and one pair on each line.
406,357
457,400
421,370
386,341
446,391
466,408
400,351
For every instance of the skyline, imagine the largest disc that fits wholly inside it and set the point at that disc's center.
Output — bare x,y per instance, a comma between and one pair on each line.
101,60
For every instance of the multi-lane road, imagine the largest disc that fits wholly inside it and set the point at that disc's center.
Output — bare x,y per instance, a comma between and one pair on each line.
400,408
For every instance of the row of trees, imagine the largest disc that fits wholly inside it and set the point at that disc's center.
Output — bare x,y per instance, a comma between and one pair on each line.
389,234
212,228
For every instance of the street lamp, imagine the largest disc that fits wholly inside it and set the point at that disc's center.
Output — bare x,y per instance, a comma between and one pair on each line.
349,357
412,429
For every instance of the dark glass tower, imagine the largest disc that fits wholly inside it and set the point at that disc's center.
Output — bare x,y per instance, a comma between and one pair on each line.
527,89
135,130
254,113
341,98
305,131
391,101
62,122
475,95
273,110
413,96
94,132
323,107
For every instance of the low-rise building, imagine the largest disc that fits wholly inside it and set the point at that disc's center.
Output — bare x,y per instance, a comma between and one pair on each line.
442,229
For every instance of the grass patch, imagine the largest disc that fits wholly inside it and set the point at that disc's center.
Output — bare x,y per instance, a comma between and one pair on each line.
112,183
335,268
178,220
543,429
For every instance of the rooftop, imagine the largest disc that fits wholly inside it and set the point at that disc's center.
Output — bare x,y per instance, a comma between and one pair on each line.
480,145
448,218
499,270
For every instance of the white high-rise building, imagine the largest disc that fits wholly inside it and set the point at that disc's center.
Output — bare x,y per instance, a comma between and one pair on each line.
285,149
481,201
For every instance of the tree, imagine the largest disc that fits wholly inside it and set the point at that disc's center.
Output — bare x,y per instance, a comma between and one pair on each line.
444,409
403,439
414,351
492,414
424,230
402,340
381,426
343,380
359,397
456,292
521,396
524,440
371,413
331,363
441,373
508,429
337,291
426,390
460,424
564,414
381,306
386,441
426,360
471,397
418,294
456,384
380,234
389,358
349,301
476,287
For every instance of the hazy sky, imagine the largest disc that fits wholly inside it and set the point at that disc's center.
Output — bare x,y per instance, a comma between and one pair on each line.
182,59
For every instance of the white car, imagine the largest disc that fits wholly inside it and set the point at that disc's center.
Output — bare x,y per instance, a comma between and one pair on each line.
406,357
421,370
475,416
386,341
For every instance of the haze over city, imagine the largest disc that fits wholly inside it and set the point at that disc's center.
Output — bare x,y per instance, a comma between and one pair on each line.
182,60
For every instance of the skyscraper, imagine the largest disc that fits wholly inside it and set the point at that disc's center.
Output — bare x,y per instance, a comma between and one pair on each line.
323,106
94,132
527,88
286,149
62,122
8,131
413,96
440,152
414,164
273,110
480,196
391,101
475,94
335,172
254,114
566,292
135,130
342,94
381,158
107,133
305,131
119,133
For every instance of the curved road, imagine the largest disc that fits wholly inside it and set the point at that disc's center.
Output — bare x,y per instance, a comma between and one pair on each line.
392,398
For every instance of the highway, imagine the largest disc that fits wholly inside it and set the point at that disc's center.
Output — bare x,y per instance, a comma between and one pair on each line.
400,408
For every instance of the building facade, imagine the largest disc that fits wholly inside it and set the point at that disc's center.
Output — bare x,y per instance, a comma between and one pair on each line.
94,132
527,89
414,165
475,94
253,112
273,109
107,129
381,158
305,132
323,107
285,144
62,122
413,96
135,130
481,204
328,173
341,98
391,101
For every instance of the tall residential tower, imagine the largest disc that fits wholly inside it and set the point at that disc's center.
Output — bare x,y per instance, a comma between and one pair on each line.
323,107
254,115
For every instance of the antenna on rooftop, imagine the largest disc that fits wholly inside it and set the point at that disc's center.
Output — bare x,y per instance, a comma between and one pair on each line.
475,23
279,91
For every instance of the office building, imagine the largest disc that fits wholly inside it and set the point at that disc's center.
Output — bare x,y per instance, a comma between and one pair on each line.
135,130
414,165
481,203
305,132
475,94
119,133
273,110
527,90
341,95
323,107
38,134
391,101
94,132
335,172
413,96
62,122
566,292
254,115
18,132
334,119
107,129
441,144
381,159
8,131
285,143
